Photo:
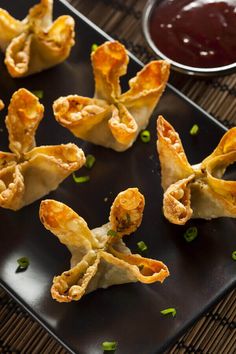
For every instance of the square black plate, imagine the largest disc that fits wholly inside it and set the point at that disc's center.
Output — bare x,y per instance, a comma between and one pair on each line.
201,272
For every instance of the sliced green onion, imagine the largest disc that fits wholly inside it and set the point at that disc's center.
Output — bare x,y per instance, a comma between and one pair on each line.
145,136
170,310
194,130
111,233
90,161
234,255
38,93
81,179
190,234
23,263
107,346
142,246
94,47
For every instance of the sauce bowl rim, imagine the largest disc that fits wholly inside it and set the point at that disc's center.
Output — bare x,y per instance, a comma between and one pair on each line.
190,70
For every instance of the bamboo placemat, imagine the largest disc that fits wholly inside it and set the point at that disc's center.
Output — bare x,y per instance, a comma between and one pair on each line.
215,333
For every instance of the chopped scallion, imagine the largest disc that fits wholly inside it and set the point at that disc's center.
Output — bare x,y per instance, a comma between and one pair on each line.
80,179
234,255
194,130
142,246
190,234
170,310
90,161
145,136
108,346
94,47
23,263
38,93
111,233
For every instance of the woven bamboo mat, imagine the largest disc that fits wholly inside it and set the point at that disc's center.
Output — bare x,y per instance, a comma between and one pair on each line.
215,333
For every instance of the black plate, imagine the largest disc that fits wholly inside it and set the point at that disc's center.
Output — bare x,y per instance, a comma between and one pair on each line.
201,272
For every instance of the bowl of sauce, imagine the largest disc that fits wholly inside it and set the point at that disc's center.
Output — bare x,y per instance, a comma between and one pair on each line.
196,36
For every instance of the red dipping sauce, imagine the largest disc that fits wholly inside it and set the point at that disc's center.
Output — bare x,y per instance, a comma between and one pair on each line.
199,33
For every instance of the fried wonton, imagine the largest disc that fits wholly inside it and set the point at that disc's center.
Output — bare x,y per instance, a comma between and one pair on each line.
113,119
1,105
100,258
35,43
197,191
28,172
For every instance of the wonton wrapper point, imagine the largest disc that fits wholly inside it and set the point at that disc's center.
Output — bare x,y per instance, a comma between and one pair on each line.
29,172
196,191
99,260
113,119
35,43
1,105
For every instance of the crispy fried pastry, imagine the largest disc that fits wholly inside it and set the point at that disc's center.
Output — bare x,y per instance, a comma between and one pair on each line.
28,172
100,258
35,43
196,191
112,119
1,105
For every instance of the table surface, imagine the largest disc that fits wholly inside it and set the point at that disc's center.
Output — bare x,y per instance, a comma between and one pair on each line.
216,331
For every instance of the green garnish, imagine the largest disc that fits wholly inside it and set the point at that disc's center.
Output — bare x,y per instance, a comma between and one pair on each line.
170,310
38,93
234,255
111,233
108,346
90,161
194,130
190,234
145,136
94,47
142,246
81,179
23,263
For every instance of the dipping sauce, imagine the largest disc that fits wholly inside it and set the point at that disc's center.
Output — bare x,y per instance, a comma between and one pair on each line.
199,33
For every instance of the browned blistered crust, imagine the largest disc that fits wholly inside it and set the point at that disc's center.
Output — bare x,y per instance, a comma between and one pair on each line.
35,43
99,259
177,203
197,191
1,105
113,119
29,172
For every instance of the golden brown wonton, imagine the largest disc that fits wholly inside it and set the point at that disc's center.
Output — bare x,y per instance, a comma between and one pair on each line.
1,105
28,172
196,191
100,258
35,43
113,119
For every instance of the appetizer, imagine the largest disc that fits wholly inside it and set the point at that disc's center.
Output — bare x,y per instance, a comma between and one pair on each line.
28,172
100,258
35,43
197,191
1,105
113,119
